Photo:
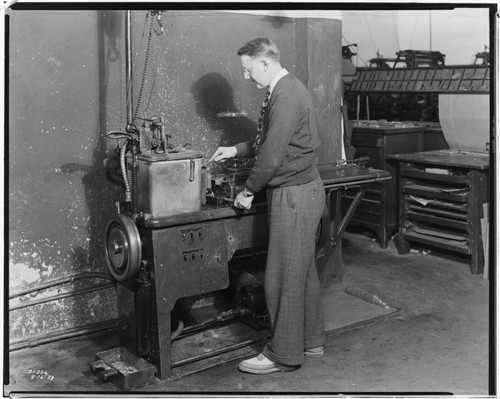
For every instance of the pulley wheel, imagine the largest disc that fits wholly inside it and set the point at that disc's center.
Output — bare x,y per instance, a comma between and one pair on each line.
122,247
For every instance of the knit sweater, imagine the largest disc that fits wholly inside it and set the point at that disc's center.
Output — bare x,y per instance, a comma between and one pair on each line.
286,156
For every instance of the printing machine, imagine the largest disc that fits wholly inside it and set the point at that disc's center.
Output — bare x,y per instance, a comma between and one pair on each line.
174,237
176,240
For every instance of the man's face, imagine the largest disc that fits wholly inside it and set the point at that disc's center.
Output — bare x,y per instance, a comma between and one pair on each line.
254,70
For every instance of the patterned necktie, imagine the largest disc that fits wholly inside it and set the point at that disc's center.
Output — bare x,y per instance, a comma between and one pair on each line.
260,124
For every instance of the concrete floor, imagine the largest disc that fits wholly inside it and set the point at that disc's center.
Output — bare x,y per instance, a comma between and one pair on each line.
438,342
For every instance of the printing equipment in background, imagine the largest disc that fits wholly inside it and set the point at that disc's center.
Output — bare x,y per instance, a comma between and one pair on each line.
438,199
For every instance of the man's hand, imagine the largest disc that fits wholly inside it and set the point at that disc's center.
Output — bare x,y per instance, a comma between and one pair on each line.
243,202
223,153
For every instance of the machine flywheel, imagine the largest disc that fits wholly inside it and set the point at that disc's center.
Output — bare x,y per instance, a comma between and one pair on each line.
122,247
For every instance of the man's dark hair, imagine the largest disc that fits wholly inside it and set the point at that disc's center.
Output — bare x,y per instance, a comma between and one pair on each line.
260,47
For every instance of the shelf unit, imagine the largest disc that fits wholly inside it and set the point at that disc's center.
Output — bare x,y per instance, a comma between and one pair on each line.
378,210
441,202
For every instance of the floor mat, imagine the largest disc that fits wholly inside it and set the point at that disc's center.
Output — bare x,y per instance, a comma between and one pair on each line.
347,307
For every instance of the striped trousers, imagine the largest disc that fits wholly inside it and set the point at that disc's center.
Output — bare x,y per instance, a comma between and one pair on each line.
292,287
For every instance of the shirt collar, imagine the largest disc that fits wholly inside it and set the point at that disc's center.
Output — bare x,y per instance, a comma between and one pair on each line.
282,73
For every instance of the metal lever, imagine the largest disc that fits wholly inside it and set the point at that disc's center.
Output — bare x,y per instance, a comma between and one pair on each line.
191,170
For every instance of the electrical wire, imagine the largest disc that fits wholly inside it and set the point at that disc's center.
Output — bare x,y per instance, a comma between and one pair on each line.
149,17
129,85
144,71
346,41
357,53
155,68
413,33
395,23
369,31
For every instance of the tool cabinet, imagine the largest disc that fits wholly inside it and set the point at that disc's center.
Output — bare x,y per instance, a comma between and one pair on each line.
441,198
378,210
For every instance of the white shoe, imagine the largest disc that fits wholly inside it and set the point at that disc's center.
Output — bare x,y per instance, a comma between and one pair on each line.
262,365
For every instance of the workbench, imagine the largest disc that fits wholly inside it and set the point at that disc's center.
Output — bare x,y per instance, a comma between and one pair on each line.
442,195
185,255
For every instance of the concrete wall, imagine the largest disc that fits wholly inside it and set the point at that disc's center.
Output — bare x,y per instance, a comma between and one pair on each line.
67,89
58,194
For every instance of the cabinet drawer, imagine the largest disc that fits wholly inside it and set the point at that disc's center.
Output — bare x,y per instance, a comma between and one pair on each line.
450,245
433,203
370,195
369,140
423,172
368,213
436,220
436,211
372,153
455,194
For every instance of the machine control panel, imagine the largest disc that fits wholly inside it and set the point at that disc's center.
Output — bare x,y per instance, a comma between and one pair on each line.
191,234
202,256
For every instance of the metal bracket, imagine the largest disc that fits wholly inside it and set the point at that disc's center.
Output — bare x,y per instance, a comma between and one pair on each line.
338,225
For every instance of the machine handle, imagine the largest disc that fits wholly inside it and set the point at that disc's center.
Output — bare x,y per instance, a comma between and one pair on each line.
191,170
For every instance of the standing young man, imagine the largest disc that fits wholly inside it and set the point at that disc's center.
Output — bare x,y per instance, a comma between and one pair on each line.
286,167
